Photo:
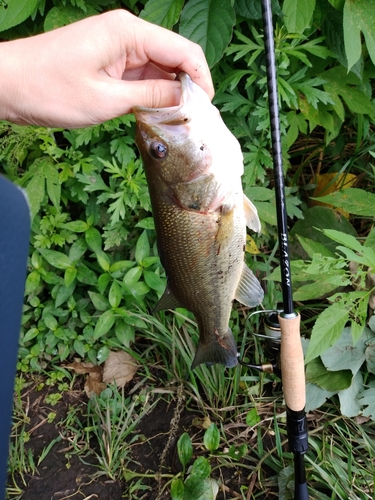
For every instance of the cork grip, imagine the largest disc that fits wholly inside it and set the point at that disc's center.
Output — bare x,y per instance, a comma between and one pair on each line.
292,363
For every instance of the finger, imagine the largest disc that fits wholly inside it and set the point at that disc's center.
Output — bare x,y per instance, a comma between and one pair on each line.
172,52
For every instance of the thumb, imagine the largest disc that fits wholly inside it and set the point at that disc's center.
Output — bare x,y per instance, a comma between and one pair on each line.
121,96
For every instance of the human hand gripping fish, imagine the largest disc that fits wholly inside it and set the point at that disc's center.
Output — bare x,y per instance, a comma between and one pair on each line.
193,167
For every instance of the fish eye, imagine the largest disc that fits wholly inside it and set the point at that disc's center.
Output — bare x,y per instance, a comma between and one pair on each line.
159,150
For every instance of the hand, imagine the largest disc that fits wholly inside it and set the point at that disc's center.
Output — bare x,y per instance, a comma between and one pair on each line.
94,70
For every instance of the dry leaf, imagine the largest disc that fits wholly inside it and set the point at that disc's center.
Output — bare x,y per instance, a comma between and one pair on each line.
82,368
120,368
93,386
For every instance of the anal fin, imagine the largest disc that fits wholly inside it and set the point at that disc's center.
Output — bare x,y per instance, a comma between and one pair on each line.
167,301
249,292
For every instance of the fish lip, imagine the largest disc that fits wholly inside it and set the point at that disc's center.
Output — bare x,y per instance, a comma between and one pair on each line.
170,115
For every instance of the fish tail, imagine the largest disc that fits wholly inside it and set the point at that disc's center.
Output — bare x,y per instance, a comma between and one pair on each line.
219,350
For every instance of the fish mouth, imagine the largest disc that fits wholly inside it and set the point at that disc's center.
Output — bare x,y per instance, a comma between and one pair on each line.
173,115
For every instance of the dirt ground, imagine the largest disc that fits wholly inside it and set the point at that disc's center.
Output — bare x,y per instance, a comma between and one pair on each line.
63,475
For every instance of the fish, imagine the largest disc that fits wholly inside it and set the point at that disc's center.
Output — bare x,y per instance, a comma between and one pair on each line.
193,166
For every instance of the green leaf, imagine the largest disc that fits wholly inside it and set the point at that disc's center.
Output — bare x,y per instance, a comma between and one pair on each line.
353,200
359,17
316,396
370,355
252,417
312,247
35,192
66,14
115,295
32,281
367,398
104,324
100,302
94,239
50,322
201,467
327,329
165,13
64,293
316,373
77,226
69,276
184,449
211,438
103,260
154,281
142,248
177,489
103,354
78,249
79,347
345,355
56,259
15,11
298,14
30,334
53,183
209,23
349,405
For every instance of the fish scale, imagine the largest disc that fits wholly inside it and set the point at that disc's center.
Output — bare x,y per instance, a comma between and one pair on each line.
200,215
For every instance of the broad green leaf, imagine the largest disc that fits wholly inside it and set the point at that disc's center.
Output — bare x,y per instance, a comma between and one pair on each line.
78,249
103,281
298,14
103,354
132,276
51,175
367,398
327,329
94,239
99,301
177,489
349,405
209,23
77,226
125,333
15,11
56,259
115,295
121,265
30,334
344,239
104,324
184,449
333,381
32,281
201,467
370,353
66,14
142,248
353,200
316,396
79,347
312,247
64,293
103,260
344,355
200,489
86,275
359,17
154,281
211,438
252,417
35,192
369,242
50,321
69,276
165,13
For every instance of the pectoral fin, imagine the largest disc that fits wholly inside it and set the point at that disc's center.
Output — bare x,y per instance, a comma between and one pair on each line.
167,301
249,292
251,214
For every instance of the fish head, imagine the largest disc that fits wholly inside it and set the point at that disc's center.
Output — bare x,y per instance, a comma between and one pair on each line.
183,143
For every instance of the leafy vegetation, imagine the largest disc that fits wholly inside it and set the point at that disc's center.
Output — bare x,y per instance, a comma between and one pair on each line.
94,273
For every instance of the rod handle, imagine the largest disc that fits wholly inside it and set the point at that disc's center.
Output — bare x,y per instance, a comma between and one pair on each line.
292,363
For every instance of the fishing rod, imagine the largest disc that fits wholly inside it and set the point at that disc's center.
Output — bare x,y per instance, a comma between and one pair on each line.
287,320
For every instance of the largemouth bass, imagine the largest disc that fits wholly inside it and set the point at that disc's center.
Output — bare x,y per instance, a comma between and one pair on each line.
193,167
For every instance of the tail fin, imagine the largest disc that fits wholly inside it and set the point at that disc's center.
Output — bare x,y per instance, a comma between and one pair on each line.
219,350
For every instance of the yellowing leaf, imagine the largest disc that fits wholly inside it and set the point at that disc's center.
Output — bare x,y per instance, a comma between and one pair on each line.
330,183
251,246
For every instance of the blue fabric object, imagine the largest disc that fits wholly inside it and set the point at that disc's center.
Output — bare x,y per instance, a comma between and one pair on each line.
14,246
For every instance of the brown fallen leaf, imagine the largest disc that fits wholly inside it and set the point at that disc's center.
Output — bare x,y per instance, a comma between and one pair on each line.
94,380
120,367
